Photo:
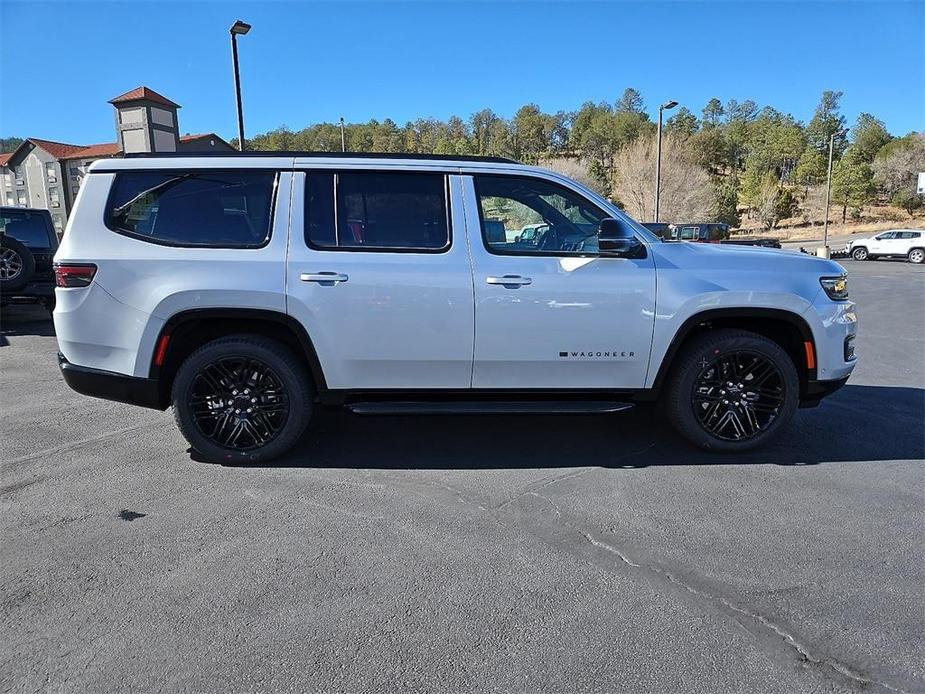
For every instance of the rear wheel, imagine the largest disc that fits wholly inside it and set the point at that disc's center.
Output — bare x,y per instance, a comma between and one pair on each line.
859,253
917,256
732,390
242,398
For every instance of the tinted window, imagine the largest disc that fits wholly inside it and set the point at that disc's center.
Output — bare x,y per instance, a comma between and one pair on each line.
377,211
28,228
225,209
887,235
908,235
531,215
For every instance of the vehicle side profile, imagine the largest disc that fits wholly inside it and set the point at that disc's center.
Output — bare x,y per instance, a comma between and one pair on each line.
246,291
898,243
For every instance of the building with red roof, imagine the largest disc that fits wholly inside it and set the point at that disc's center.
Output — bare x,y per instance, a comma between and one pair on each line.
47,174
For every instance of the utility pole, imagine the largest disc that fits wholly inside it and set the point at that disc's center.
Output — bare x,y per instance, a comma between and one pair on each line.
343,139
824,251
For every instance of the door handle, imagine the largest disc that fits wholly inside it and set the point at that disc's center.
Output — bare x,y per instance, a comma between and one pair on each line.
327,278
509,280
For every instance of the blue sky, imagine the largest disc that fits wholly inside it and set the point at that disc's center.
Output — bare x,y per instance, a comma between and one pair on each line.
307,62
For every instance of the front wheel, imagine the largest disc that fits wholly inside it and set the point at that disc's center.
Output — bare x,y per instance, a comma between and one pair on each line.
859,253
242,398
917,256
731,390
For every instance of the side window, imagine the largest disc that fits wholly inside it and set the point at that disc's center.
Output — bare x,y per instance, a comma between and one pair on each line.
377,211
885,237
690,233
533,216
220,209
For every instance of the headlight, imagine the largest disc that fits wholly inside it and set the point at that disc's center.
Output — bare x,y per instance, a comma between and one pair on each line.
835,287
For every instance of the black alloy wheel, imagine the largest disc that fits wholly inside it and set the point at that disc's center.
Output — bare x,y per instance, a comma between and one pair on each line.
738,395
731,390
242,398
238,403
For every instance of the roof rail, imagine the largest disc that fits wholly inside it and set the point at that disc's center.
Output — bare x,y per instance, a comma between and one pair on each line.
327,155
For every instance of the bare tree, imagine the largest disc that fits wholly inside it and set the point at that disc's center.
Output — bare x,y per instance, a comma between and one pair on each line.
812,206
686,195
765,206
574,169
898,169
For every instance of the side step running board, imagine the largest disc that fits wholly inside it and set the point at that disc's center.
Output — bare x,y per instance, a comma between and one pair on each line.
488,407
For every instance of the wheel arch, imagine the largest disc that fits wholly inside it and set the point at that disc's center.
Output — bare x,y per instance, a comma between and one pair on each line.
786,328
187,330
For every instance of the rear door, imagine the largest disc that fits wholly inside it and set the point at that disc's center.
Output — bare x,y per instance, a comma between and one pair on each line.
549,312
378,273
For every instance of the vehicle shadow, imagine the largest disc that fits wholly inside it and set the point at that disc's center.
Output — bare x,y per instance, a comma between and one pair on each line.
858,423
25,319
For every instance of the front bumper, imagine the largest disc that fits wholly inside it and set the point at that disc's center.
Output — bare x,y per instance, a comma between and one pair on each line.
144,392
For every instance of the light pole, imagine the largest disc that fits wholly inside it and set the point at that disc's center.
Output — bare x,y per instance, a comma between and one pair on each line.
824,251
241,28
343,139
667,106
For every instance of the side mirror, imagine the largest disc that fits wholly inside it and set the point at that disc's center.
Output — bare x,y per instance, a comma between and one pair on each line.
617,239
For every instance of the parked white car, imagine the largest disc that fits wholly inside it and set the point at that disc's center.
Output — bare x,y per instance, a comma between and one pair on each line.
247,290
897,243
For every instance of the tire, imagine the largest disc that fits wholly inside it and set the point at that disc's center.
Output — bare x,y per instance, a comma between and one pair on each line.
214,388
917,256
17,265
699,399
860,253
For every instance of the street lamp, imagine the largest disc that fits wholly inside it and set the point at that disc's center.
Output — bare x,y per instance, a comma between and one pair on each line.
828,193
237,28
667,106
343,139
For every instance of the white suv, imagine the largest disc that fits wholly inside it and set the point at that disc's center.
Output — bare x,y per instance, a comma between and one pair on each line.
898,243
248,290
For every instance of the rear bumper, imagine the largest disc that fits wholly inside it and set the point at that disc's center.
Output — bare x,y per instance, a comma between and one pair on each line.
816,390
107,385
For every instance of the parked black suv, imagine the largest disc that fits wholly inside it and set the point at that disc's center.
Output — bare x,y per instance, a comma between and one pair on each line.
27,246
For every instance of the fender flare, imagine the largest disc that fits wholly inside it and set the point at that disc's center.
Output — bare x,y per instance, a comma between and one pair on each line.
688,326
197,315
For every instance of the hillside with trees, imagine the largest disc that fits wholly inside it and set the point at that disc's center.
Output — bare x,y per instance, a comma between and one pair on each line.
734,162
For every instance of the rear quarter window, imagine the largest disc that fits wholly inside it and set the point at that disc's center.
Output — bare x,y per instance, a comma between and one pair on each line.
212,209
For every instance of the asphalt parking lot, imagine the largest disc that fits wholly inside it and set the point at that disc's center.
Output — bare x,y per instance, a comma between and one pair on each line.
458,554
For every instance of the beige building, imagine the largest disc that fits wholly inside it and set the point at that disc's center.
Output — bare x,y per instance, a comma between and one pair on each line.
46,174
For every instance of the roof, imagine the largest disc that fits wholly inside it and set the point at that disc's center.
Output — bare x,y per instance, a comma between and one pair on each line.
59,150
64,150
329,155
143,94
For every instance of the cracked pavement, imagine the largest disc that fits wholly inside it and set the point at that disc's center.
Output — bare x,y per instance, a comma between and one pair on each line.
470,554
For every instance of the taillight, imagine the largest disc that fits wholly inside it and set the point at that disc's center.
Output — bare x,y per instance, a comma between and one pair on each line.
74,275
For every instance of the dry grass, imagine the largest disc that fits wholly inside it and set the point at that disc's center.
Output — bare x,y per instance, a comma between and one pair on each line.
875,218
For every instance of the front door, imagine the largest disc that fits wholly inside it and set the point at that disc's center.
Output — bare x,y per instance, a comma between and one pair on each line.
882,244
549,312
378,273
